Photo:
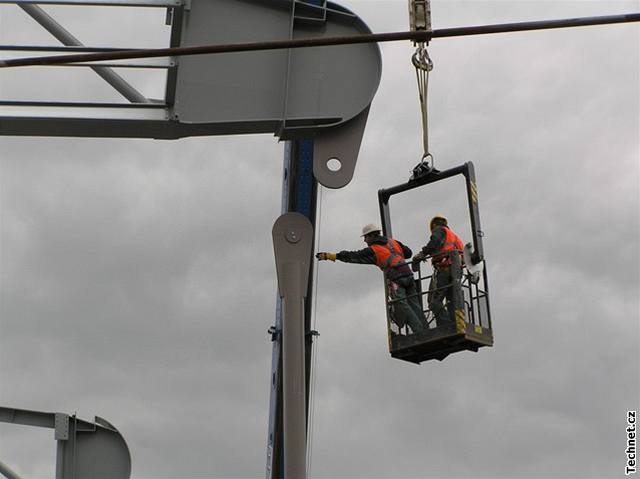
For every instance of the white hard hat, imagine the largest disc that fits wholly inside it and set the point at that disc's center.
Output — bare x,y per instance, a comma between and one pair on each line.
370,228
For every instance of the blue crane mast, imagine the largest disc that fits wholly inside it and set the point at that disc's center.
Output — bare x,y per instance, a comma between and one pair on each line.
299,194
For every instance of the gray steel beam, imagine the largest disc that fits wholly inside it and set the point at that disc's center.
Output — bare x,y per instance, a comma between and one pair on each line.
66,38
293,243
26,417
147,112
114,3
7,472
87,450
218,96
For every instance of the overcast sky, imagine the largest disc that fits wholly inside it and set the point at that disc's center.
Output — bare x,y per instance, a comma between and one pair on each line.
138,279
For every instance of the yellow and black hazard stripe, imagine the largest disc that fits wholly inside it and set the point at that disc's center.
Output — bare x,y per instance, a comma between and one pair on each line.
460,324
474,191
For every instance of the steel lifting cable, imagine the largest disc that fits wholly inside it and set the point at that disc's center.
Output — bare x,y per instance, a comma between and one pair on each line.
314,344
102,54
420,21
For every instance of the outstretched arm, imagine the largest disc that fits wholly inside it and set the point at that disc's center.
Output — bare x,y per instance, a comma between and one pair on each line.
363,256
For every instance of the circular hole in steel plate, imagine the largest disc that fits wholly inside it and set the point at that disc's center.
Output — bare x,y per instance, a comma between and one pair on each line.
334,164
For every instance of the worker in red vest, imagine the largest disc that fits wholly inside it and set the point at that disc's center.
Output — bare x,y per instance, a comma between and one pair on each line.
444,247
389,255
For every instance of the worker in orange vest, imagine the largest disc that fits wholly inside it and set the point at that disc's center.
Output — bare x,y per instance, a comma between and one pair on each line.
444,247
389,255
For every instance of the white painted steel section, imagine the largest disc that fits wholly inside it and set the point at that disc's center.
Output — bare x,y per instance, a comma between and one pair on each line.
116,3
83,112
157,63
327,90
293,244
7,472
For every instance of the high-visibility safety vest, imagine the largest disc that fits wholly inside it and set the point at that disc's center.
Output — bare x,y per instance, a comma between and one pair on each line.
452,242
388,256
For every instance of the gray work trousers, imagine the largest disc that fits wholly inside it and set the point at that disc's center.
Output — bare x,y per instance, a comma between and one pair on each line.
444,286
406,306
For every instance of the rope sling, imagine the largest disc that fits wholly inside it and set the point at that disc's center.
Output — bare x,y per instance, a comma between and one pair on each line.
420,20
423,64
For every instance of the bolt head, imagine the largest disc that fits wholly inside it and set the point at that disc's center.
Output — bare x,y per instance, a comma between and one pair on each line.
292,236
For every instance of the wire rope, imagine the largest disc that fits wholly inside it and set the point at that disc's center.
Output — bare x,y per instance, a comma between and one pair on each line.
122,54
314,343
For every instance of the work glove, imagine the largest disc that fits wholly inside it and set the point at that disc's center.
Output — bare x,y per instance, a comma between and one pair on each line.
419,257
415,262
326,256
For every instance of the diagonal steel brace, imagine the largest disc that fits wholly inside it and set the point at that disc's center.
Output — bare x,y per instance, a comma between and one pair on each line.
66,38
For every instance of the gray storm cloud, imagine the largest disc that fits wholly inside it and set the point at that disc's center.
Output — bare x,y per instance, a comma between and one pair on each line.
138,279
